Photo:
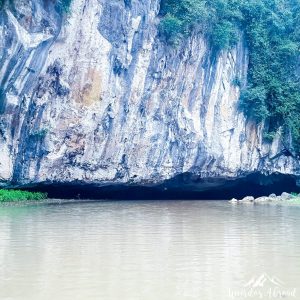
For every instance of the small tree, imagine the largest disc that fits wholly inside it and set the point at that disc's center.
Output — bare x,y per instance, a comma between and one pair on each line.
171,28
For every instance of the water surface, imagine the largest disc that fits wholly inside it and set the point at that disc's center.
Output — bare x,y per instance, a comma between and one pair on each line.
208,250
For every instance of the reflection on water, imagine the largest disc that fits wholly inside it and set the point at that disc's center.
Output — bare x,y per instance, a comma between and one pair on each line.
147,250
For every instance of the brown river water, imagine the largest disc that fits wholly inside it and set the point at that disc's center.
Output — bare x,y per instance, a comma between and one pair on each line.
115,250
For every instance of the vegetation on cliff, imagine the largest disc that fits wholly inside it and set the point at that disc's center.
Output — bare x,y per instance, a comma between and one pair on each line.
64,5
272,33
18,195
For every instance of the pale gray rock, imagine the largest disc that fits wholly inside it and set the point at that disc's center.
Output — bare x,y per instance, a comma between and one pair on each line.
248,199
97,97
233,200
285,196
263,199
273,196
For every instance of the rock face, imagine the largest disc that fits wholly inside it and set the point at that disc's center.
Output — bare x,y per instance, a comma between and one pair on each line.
284,197
97,96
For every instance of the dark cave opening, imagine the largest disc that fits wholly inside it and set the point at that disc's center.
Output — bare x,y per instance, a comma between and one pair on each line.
182,187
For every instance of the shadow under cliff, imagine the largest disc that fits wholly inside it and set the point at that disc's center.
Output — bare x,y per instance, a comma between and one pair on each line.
185,186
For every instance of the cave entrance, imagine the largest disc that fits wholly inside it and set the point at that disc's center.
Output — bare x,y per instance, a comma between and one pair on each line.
185,186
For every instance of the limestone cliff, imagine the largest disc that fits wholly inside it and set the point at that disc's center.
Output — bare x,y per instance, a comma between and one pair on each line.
96,96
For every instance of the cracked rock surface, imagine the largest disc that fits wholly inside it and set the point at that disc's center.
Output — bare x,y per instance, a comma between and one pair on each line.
97,97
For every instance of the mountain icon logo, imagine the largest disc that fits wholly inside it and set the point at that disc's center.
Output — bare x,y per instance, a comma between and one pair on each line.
262,280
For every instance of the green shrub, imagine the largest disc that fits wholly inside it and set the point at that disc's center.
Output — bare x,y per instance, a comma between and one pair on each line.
223,35
236,82
39,134
184,15
170,26
64,5
20,195
253,100
269,136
